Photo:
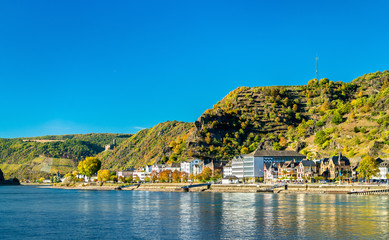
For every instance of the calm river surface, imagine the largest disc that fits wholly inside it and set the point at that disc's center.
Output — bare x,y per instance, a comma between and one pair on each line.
28,212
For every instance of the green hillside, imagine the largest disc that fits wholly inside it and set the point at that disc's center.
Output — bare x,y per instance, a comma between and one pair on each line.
150,145
19,157
319,119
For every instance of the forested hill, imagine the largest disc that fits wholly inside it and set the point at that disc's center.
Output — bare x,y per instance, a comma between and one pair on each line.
321,118
23,157
151,145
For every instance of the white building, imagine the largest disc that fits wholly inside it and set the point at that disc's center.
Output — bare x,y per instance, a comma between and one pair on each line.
140,173
384,170
188,165
125,173
148,169
158,167
227,170
251,165
198,168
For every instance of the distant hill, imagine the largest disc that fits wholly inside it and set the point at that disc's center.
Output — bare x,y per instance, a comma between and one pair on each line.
319,119
34,157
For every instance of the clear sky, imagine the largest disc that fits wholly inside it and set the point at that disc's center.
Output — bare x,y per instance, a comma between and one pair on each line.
120,66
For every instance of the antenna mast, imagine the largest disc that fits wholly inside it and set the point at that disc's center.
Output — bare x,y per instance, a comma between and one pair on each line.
317,67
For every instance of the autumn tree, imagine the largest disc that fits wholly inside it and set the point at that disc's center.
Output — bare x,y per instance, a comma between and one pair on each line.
121,179
184,176
89,166
244,150
295,107
176,176
164,176
325,107
283,142
218,174
103,175
368,168
154,176
192,177
206,174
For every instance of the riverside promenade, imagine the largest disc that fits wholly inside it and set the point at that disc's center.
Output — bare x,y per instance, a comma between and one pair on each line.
242,188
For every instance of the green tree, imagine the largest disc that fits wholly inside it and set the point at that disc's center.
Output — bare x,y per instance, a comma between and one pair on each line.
368,168
89,166
137,179
164,159
129,179
103,175
147,179
337,119
320,137
276,146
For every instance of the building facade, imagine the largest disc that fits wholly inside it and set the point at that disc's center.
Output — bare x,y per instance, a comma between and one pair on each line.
188,165
251,165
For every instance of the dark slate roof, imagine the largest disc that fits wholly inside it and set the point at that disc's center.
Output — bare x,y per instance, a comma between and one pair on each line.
288,164
273,153
308,163
336,159
323,160
379,160
267,165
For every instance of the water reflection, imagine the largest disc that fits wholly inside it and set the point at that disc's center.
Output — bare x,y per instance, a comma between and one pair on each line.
49,214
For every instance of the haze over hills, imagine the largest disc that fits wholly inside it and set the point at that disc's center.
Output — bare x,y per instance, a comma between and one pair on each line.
319,119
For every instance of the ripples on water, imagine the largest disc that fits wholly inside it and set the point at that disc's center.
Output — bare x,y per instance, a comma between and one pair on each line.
41,213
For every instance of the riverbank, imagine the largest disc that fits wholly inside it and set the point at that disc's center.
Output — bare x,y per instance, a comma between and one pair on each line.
237,188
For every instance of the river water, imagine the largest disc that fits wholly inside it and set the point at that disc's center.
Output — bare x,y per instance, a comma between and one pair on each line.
28,212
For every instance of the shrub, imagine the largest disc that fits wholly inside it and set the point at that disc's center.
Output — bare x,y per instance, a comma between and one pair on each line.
320,123
320,137
337,119
325,144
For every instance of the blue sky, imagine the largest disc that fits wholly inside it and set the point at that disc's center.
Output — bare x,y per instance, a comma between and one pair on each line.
120,66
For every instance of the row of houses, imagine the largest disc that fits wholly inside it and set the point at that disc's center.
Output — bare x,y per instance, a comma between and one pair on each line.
191,166
308,170
270,165
274,166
